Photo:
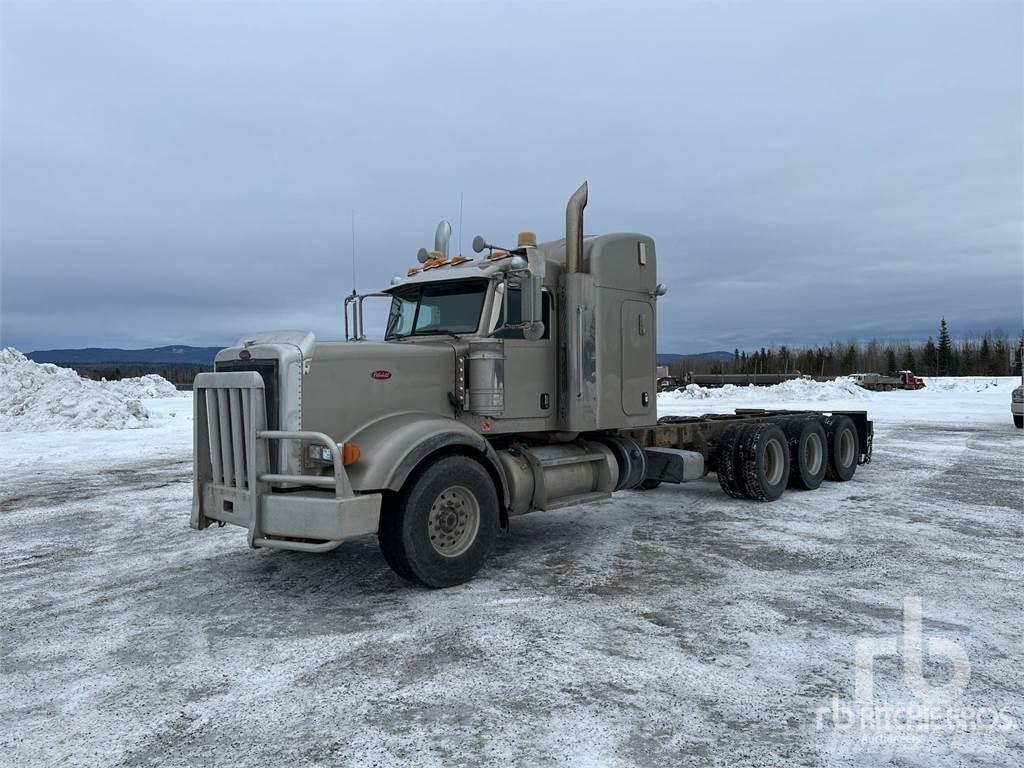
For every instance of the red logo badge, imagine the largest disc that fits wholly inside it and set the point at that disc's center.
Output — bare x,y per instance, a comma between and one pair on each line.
381,375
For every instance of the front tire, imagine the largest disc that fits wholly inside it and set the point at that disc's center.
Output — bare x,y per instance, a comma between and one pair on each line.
1018,421
442,524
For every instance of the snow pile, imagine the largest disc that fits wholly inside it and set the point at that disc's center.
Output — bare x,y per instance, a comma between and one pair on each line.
145,387
42,396
961,383
795,390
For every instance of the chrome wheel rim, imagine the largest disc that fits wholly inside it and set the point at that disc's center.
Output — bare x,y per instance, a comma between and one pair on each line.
774,462
846,448
454,521
813,454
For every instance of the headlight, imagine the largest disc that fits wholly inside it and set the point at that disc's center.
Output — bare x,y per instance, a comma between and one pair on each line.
321,454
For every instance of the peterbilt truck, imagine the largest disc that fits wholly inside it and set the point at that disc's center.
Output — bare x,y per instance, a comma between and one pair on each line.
519,380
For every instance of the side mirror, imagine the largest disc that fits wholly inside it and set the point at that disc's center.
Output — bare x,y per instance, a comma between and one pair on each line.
479,244
532,290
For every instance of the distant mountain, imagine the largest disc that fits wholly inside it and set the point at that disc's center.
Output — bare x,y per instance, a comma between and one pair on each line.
668,359
157,355
204,356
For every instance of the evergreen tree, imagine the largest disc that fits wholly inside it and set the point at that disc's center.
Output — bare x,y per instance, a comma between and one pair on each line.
985,357
890,360
930,360
908,363
944,353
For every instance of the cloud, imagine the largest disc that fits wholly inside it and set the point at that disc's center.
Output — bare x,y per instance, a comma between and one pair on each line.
186,173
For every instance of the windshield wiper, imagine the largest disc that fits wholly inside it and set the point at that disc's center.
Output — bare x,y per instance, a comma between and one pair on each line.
436,333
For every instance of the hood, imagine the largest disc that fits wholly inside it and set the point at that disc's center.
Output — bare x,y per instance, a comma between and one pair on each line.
350,384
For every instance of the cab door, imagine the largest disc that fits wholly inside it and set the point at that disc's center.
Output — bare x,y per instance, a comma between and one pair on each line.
638,358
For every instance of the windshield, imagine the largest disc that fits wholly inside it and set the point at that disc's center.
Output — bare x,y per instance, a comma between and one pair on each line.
436,308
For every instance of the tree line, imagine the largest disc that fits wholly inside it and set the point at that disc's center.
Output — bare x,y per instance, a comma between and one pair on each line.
179,374
986,355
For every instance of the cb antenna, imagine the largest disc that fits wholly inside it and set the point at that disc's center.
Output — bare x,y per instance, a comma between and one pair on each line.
461,196
353,251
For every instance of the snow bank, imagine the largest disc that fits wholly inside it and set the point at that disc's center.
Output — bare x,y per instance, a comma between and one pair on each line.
788,391
963,383
148,387
42,396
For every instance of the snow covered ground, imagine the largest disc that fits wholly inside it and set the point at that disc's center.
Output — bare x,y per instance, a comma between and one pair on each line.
673,627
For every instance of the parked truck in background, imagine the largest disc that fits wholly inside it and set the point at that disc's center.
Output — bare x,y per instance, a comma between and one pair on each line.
1017,398
519,380
880,383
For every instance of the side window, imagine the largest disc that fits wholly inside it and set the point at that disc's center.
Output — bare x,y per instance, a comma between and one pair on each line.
515,314
545,313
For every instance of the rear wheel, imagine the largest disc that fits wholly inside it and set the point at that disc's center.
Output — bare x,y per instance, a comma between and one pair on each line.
728,477
763,461
841,436
442,524
808,453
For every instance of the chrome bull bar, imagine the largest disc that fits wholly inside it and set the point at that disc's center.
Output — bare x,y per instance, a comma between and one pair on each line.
233,482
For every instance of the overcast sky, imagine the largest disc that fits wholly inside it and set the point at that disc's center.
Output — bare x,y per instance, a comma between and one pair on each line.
185,173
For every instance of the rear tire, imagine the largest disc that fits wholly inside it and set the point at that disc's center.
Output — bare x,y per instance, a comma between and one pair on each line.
763,461
728,447
1018,421
443,523
808,453
842,441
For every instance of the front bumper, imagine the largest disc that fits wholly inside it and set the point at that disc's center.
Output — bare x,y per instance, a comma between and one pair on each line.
232,482
1017,408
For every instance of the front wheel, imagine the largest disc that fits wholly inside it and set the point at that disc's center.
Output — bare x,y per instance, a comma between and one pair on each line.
443,523
1018,421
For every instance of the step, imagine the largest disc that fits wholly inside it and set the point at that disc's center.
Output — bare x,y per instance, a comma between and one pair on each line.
580,498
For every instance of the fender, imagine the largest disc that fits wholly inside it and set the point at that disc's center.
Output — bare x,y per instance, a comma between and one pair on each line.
393,446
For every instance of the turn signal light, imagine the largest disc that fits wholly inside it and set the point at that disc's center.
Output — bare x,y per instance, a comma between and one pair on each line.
459,260
498,255
412,271
350,453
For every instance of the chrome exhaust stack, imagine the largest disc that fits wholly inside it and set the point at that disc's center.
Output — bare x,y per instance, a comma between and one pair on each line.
574,229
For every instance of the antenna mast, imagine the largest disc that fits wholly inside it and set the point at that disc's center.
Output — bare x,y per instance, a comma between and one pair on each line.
353,250
461,195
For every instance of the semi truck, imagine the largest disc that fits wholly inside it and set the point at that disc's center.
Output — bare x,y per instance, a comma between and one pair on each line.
518,380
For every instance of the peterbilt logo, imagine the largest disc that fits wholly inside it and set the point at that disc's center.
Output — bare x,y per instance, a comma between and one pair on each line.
381,375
